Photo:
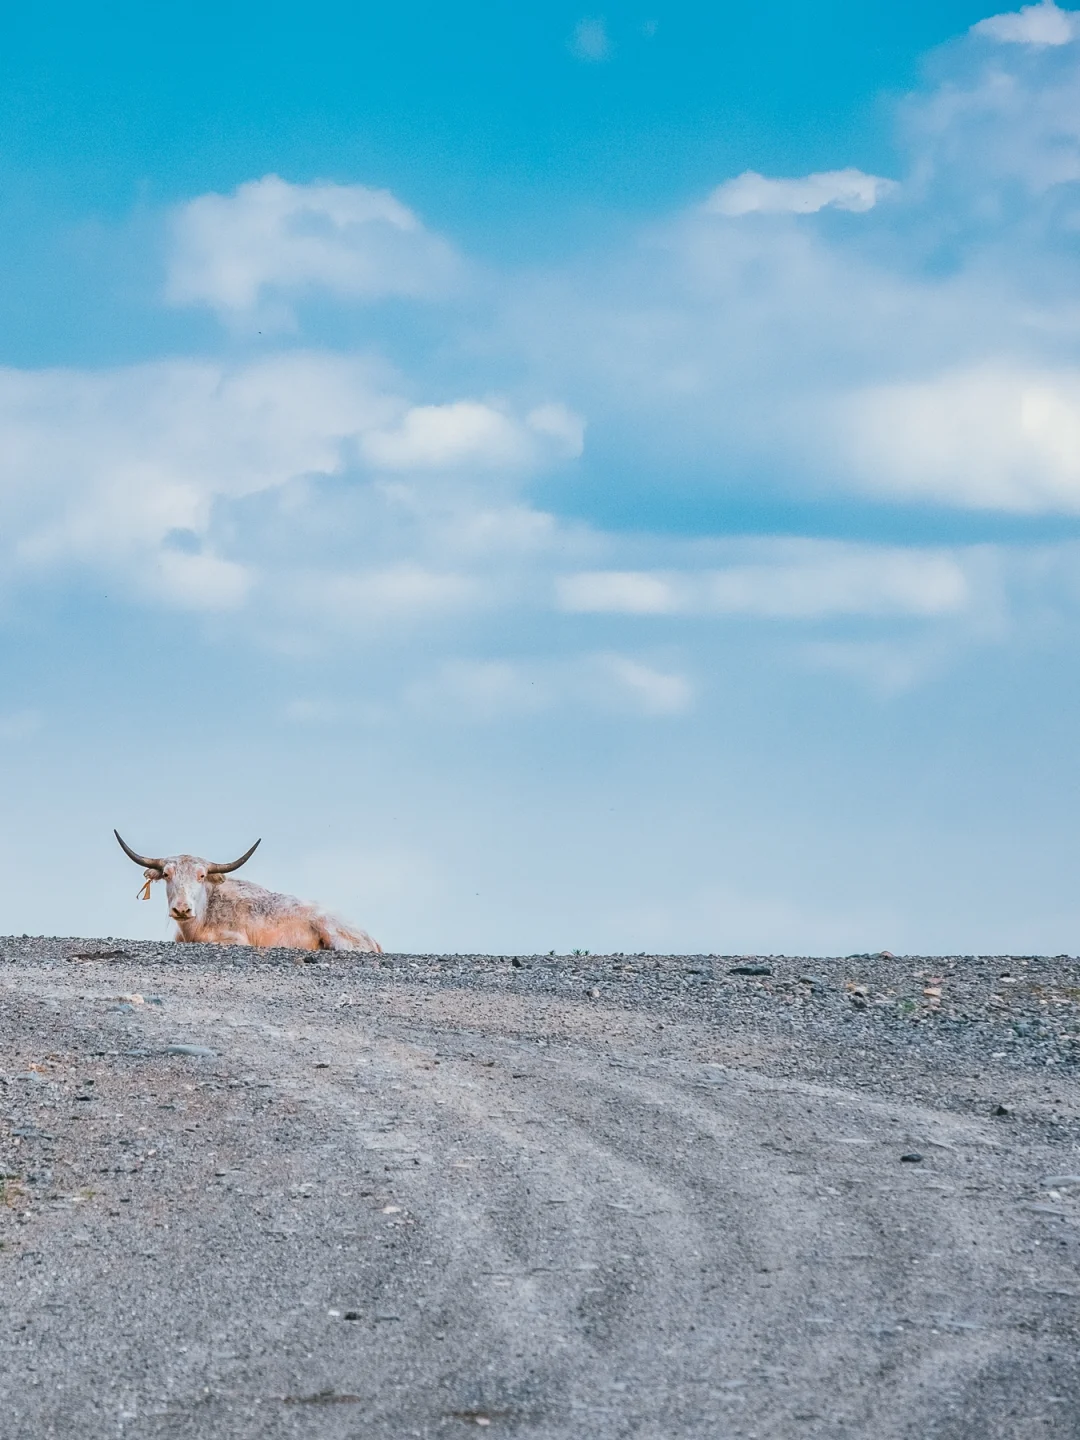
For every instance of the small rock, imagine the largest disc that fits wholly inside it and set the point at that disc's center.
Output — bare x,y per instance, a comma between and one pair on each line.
595,993
351,1315
515,962
1060,1182
911,1158
750,970
1001,1110
189,1050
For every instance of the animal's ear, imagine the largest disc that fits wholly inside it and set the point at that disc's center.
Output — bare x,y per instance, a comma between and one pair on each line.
154,874
215,879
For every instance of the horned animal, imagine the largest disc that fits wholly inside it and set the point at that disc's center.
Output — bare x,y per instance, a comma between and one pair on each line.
209,907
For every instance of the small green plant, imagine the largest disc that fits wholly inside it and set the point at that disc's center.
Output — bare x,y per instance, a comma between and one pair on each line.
579,954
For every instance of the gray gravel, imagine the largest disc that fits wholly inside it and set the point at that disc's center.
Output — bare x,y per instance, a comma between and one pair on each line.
260,1194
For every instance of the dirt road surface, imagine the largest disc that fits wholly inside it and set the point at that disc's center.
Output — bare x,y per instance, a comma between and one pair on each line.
246,1195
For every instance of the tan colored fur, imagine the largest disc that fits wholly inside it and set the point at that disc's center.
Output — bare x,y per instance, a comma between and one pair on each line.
218,910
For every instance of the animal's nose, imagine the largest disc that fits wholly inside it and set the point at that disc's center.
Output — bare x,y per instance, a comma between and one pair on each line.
180,912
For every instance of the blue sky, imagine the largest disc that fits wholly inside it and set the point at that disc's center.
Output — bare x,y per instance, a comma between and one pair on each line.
566,478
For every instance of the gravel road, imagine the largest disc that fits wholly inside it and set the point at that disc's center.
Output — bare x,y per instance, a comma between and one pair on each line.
256,1194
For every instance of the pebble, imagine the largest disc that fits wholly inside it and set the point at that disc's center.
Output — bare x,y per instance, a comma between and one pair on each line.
912,1157
189,1050
750,970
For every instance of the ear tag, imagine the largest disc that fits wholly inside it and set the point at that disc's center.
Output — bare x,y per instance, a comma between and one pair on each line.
144,893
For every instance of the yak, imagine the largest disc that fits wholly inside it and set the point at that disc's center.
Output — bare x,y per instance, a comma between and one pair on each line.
209,907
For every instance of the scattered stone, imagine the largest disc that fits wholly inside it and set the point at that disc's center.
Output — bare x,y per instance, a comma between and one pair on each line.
197,1050
750,970
911,1158
324,1397
1002,1110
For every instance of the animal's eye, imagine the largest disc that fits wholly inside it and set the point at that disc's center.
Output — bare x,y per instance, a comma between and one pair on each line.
202,875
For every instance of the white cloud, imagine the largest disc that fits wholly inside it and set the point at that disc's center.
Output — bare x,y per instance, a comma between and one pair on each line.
1043,24
835,579
804,359
101,469
590,41
652,691
988,437
483,690
887,666
132,472
607,682
402,591
558,424
751,193
790,580
199,582
272,238
617,592
470,433
724,351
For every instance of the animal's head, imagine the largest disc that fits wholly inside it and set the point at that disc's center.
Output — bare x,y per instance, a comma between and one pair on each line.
187,878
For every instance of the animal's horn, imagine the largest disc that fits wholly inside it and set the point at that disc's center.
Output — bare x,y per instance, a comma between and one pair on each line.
142,860
224,869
